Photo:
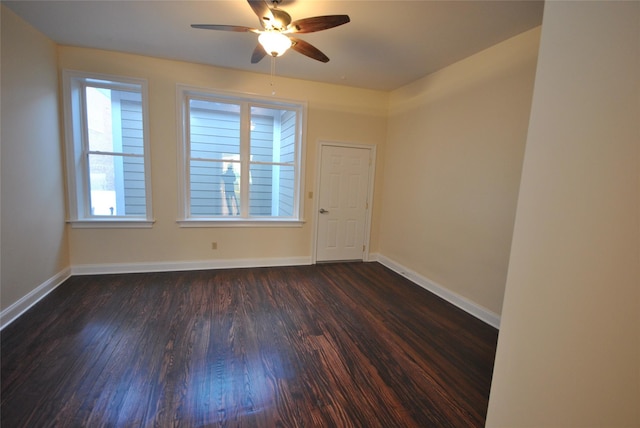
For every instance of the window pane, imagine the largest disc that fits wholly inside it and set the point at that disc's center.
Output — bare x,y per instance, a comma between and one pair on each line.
114,121
272,191
215,188
273,135
214,129
117,186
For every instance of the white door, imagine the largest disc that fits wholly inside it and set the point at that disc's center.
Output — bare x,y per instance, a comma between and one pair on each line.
342,203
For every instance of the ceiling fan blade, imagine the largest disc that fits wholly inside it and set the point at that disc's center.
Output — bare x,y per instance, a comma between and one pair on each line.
317,23
262,9
236,28
308,49
258,54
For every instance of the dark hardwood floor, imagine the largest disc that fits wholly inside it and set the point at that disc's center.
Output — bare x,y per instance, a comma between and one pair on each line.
329,345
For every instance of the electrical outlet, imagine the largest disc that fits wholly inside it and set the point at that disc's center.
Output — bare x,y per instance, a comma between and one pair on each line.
214,245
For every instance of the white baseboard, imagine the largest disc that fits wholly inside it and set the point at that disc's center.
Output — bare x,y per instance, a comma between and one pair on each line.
373,257
99,269
11,313
455,299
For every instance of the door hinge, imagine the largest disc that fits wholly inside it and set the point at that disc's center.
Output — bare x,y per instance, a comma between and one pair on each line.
363,248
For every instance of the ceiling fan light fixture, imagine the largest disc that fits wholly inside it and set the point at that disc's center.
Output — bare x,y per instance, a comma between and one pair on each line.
274,42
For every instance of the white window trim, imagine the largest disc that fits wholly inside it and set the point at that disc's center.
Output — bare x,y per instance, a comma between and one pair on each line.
77,186
183,92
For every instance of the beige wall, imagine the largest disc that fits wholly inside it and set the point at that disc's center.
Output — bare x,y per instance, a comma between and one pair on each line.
452,169
334,113
34,245
569,347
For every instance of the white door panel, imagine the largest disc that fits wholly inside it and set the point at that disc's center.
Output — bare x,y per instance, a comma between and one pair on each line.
342,202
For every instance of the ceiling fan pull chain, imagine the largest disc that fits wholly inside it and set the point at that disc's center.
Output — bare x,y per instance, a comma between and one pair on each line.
273,72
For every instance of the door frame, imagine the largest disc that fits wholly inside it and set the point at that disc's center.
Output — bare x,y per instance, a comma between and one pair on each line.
316,200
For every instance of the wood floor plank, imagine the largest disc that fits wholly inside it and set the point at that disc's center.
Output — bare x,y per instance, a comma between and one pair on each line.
343,345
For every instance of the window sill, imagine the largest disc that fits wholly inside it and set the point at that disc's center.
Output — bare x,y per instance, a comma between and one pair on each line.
233,222
126,223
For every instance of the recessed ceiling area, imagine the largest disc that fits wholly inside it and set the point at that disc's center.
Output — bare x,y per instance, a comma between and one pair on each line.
386,45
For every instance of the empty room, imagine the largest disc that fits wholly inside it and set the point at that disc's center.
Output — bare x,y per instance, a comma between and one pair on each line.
306,213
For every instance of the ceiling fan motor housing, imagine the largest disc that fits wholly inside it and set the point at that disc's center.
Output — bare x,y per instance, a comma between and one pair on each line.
280,21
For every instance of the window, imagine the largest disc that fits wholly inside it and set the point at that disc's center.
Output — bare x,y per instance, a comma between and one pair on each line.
240,158
107,150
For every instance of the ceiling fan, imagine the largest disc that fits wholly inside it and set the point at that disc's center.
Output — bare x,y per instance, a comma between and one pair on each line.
274,37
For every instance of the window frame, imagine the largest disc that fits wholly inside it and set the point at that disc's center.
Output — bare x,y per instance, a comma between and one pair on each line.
184,94
77,149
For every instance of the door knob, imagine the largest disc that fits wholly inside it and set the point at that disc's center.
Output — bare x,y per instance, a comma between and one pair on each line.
323,211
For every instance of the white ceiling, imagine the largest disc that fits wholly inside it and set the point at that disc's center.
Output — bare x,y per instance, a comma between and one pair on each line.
387,43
